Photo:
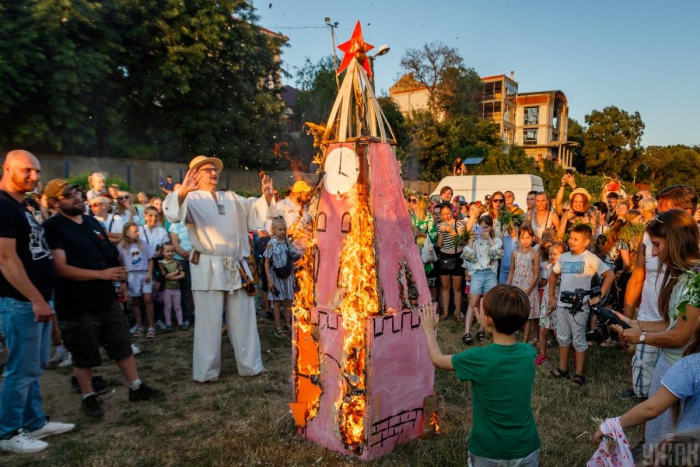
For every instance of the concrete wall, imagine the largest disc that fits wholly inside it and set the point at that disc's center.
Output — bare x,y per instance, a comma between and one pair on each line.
144,175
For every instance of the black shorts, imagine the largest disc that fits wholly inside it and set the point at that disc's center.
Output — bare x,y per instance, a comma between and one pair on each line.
457,271
106,327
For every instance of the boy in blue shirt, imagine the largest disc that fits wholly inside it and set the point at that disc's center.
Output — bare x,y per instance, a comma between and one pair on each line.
502,375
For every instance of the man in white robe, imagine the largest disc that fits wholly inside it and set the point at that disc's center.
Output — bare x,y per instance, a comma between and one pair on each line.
218,223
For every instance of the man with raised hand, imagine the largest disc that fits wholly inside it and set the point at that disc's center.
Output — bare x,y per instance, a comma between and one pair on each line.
27,278
218,222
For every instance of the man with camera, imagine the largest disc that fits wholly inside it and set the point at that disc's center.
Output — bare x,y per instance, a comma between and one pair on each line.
576,268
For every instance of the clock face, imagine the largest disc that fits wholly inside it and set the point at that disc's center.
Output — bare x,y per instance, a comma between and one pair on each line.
342,167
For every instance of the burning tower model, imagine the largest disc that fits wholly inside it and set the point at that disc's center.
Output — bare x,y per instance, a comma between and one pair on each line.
361,369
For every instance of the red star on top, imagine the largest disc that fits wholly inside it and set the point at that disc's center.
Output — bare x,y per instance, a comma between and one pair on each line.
356,47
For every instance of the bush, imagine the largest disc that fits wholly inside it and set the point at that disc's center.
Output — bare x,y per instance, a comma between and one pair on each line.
81,179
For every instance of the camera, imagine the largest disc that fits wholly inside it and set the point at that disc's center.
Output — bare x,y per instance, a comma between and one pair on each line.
577,299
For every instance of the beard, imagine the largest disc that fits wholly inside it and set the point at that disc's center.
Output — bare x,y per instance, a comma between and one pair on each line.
72,210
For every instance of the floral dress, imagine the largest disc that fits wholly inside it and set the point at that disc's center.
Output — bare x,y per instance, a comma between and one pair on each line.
426,226
277,252
523,275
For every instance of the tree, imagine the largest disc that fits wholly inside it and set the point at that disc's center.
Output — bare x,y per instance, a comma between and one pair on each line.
427,155
460,92
317,92
670,165
153,78
429,65
612,140
396,120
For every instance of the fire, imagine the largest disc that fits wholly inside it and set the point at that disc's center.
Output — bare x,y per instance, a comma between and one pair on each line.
434,423
307,365
359,281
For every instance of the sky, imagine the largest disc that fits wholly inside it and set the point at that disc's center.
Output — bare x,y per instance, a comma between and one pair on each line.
641,55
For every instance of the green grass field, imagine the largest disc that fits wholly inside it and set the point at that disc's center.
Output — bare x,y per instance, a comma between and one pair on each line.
246,421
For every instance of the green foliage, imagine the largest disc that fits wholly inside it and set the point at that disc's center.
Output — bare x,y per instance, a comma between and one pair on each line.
612,142
575,134
81,179
428,151
317,92
669,165
150,79
396,120
460,92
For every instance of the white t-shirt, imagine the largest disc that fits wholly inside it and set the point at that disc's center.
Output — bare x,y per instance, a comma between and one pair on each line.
577,271
155,238
649,307
112,224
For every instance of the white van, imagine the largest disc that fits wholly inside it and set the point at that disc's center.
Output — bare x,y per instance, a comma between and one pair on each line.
476,187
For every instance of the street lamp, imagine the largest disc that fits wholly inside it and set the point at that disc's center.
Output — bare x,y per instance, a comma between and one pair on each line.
382,50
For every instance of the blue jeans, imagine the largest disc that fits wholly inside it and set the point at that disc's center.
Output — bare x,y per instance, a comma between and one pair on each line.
29,347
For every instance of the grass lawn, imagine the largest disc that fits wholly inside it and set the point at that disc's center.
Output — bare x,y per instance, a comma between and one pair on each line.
246,421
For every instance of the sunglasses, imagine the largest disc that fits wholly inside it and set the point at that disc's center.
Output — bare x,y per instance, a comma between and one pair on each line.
413,201
498,200
124,197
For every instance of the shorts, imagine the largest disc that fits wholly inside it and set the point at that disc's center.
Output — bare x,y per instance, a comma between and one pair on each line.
643,364
137,285
572,328
457,271
532,460
106,327
483,280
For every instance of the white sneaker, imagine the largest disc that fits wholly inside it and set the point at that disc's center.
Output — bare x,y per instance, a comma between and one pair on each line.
135,350
133,329
59,355
159,325
51,428
22,443
68,361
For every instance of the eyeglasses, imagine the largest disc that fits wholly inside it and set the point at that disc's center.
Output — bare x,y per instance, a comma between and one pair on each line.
413,201
211,170
124,197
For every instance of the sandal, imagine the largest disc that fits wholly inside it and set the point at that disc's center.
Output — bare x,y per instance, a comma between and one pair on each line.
481,335
559,373
279,332
578,380
467,339
459,318
138,333
151,333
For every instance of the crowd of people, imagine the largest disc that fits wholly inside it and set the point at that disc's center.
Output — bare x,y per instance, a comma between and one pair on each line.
519,271
72,261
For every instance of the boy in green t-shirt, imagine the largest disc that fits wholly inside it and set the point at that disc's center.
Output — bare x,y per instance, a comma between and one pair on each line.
502,375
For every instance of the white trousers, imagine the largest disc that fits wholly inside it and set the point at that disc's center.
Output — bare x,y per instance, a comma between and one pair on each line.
242,332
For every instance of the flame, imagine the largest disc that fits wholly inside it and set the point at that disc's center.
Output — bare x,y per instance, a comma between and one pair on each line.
307,365
359,282
434,423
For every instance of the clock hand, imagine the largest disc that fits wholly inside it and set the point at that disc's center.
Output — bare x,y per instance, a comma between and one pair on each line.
341,173
340,164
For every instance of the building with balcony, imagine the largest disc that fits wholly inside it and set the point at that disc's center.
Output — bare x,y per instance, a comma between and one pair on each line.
536,121
542,126
498,104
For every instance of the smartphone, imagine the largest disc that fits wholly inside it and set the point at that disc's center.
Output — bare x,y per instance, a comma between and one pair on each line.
570,171
478,231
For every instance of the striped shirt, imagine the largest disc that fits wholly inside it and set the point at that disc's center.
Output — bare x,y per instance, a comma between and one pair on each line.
448,242
683,380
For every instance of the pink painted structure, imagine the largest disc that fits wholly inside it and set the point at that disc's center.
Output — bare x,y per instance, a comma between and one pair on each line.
399,372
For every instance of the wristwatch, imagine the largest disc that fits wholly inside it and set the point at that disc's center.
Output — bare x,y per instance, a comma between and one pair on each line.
643,337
